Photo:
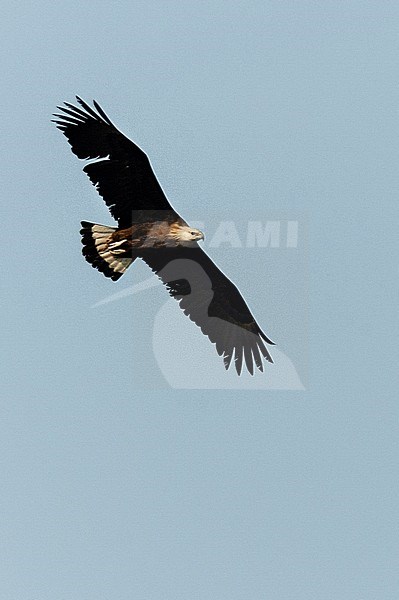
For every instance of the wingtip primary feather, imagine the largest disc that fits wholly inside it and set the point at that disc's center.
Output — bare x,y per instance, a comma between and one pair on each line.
238,358
267,340
248,360
102,113
257,357
88,108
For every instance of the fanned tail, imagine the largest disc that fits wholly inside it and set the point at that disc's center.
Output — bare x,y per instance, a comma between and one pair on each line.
97,243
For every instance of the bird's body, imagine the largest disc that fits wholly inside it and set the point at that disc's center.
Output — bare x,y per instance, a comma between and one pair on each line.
157,234
150,229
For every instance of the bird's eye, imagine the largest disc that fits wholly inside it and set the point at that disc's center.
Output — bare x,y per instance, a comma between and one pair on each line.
192,232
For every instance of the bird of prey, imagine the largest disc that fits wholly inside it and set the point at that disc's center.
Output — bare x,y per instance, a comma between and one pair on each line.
151,230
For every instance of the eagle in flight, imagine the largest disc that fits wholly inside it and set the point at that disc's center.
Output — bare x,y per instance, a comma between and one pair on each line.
151,230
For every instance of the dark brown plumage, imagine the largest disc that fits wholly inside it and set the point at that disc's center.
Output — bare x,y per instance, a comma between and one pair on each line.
150,229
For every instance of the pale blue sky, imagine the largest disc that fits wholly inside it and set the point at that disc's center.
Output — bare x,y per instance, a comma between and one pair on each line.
284,109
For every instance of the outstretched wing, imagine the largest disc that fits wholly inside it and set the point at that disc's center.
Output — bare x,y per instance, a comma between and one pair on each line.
124,177
213,302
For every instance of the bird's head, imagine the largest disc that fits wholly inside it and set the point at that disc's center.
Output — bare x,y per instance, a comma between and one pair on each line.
184,234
